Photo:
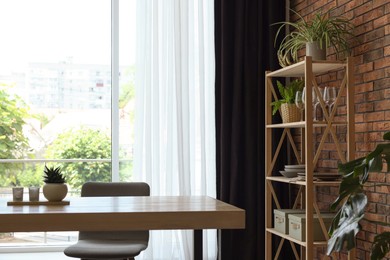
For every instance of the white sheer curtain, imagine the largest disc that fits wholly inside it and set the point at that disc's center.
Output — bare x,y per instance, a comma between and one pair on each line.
174,124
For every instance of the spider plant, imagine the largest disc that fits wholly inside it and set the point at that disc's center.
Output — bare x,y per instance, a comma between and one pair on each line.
326,30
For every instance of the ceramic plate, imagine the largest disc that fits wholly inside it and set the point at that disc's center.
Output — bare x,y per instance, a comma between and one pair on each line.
334,174
328,178
298,166
288,174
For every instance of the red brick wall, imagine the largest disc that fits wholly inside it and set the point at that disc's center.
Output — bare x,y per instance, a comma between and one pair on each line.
372,101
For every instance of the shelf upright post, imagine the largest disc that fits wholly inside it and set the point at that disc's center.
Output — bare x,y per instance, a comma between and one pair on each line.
350,121
350,109
309,198
268,158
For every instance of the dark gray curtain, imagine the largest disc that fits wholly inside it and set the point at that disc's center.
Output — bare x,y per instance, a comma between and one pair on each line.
244,50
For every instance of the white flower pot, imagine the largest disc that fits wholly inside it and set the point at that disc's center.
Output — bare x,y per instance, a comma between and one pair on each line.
55,191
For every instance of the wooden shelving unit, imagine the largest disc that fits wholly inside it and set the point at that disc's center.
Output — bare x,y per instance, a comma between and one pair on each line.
309,70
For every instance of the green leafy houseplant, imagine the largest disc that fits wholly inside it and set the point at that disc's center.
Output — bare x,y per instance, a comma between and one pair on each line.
53,175
345,225
287,93
326,30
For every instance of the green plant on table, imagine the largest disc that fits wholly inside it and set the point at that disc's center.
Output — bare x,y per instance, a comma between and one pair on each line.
326,30
287,93
353,201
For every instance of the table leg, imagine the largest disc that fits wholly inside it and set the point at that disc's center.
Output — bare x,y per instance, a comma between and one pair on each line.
198,244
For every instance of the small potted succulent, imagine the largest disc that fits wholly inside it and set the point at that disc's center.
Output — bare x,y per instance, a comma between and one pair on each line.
55,188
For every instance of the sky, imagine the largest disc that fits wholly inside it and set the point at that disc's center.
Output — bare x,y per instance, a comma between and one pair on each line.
53,30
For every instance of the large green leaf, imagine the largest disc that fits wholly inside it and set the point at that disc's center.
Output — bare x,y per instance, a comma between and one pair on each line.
381,246
276,105
375,164
346,225
281,89
387,159
349,185
386,153
349,166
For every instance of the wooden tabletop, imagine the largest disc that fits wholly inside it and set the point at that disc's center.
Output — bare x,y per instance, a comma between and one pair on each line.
123,213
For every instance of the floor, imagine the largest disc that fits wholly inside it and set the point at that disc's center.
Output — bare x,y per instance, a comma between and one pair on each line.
35,256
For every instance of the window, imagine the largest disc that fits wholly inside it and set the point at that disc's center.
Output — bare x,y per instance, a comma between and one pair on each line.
56,71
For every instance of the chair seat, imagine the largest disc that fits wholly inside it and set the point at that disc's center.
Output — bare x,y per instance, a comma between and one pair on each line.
105,249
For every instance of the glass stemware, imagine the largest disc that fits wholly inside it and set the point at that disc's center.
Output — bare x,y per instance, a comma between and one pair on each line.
330,95
313,97
317,106
299,102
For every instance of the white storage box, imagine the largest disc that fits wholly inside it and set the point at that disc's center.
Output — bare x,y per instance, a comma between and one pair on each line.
297,226
281,219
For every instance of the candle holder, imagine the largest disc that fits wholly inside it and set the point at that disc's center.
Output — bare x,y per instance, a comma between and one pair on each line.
17,193
33,193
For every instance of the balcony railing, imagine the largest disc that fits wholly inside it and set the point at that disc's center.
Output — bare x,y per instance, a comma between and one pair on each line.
41,241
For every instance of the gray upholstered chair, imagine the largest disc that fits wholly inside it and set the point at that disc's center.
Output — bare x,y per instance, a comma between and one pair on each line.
111,244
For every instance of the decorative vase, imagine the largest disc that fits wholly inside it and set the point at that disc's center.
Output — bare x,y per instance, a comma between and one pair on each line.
314,50
55,191
290,113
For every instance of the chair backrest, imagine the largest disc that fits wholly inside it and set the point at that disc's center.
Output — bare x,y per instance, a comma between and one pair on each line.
105,189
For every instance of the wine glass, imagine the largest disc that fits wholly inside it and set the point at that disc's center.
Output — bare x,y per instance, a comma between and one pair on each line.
313,97
330,95
299,102
318,112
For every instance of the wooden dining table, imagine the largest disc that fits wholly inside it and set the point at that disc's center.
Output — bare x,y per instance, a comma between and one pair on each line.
125,213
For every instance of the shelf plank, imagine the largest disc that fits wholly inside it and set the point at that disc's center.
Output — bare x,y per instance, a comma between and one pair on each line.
301,124
298,69
277,233
285,180
303,183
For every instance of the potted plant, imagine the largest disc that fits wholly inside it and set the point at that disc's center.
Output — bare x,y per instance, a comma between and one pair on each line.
289,111
319,33
55,188
345,225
